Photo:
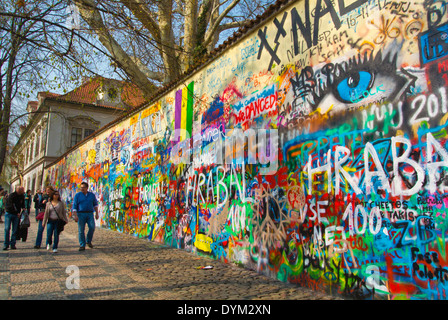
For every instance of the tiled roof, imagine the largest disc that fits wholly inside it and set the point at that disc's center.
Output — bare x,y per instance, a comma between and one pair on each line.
131,96
47,94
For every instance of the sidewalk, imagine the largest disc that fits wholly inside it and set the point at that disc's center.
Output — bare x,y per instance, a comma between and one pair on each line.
123,267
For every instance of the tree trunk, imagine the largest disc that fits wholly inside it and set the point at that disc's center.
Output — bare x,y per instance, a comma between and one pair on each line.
202,23
191,17
5,112
161,31
168,46
91,15
211,36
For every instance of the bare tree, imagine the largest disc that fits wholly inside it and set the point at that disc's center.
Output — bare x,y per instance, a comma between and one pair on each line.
149,42
155,41
34,44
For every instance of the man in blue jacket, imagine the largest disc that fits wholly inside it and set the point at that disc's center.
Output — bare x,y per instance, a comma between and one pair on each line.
84,204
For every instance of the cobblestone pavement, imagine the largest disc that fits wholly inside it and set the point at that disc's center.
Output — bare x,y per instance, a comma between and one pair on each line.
123,267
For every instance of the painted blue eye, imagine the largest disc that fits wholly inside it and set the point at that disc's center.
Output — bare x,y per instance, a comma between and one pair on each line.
352,89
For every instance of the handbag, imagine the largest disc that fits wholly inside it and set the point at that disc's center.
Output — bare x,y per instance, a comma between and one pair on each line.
24,220
61,222
40,216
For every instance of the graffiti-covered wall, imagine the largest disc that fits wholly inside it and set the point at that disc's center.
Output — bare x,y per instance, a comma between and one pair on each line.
313,150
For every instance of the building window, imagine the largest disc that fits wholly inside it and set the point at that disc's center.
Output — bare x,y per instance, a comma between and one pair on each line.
33,185
79,128
31,150
43,136
88,132
112,93
37,145
76,136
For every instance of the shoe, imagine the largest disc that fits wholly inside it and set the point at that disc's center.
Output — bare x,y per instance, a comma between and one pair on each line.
90,245
55,250
48,247
5,248
13,248
36,247
82,248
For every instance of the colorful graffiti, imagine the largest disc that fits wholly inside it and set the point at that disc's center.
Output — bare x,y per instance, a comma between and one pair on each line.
351,101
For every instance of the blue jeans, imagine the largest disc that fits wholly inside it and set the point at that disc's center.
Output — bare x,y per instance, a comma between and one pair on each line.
40,231
52,229
84,218
10,220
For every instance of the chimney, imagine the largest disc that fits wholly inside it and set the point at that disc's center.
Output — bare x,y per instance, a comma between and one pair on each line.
32,106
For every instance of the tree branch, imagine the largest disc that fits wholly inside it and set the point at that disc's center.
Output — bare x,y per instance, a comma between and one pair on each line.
214,28
93,18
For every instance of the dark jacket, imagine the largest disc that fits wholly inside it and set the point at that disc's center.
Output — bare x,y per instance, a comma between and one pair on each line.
37,201
15,203
28,202
42,205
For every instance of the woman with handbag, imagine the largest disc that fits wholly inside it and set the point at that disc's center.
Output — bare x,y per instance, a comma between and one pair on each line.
41,204
55,216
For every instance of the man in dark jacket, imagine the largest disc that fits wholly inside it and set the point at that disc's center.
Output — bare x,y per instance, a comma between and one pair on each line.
15,202
37,201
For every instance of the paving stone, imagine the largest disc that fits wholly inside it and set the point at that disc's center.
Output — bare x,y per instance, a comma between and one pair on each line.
123,267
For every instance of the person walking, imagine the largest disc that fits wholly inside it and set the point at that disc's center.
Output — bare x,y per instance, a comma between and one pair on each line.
15,202
46,196
84,204
22,233
41,208
2,204
28,199
40,230
37,199
40,212
55,213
